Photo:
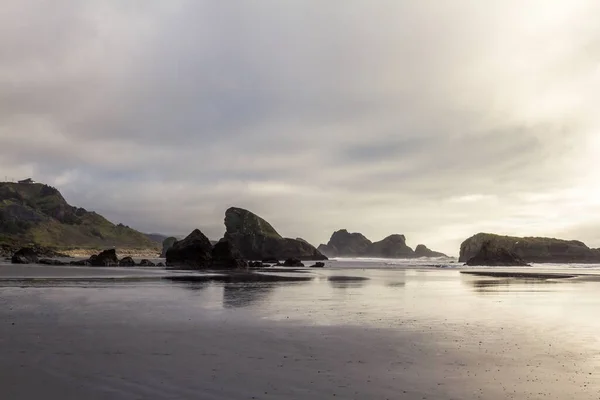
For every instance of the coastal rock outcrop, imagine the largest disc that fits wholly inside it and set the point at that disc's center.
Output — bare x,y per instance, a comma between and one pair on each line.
166,245
127,262
491,255
422,251
226,256
197,252
393,246
193,252
532,249
26,255
346,244
256,239
106,258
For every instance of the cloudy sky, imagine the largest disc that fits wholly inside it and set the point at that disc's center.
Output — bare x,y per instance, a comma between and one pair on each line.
436,119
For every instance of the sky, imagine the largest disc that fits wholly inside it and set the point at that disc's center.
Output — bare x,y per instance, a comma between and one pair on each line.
434,119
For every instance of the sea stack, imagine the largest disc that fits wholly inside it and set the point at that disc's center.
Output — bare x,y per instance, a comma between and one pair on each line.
532,249
346,244
256,239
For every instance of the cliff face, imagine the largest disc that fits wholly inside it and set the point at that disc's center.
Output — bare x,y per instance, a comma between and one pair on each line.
256,239
532,249
37,213
345,244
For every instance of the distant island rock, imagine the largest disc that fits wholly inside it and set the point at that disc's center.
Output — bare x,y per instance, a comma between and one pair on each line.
346,244
256,239
491,255
34,213
531,249
422,251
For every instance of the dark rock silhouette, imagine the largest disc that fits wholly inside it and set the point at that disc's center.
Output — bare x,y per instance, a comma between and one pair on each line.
26,255
491,255
532,249
226,256
346,244
422,251
256,239
106,258
127,262
193,252
292,262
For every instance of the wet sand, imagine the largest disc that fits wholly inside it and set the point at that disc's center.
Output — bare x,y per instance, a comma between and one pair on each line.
343,333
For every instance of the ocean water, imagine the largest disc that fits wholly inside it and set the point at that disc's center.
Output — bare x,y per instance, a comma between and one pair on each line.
358,329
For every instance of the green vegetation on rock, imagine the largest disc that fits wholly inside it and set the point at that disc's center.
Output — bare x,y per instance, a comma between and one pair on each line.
38,213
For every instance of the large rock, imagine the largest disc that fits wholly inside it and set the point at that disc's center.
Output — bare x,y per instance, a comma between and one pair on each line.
346,244
532,249
393,246
491,255
166,245
193,252
26,255
256,239
422,251
106,258
127,262
226,256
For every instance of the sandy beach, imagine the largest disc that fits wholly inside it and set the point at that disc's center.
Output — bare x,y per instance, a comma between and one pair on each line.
348,332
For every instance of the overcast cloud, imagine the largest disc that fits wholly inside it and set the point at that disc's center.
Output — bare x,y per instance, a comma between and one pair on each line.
436,119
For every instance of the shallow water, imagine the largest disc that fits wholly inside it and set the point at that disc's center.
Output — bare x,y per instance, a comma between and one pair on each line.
348,331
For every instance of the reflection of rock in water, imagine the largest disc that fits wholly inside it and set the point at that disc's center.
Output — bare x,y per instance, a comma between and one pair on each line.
511,284
196,286
396,284
240,289
345,282
238,295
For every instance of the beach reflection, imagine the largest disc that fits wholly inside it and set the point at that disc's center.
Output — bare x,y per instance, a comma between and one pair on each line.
346,282
245,295
513,285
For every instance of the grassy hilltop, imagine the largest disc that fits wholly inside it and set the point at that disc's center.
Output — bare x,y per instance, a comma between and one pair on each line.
38,213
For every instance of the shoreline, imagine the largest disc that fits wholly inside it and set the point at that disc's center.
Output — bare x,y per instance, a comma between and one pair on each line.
134,253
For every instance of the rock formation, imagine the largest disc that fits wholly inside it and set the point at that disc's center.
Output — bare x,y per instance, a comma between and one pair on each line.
193,252
226,256
422,251
196,252
26,255
166,245
393,246
106,258
491,255
345,244
256,239
127,262
532,249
